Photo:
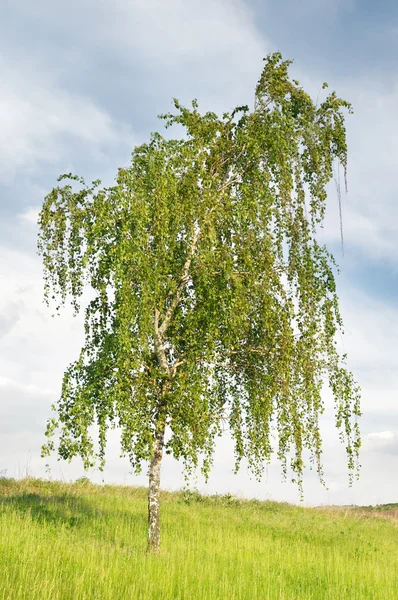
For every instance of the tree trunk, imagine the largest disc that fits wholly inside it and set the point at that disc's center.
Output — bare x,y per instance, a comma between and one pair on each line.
154,492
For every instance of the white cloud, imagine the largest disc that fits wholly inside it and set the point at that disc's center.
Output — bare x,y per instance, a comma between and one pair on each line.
210,49
30,215
370,210
371,331
382,442
40,123
176,31
382,435
9,316
206,29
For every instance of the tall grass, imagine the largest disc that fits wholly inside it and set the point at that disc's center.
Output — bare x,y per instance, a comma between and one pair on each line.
85,542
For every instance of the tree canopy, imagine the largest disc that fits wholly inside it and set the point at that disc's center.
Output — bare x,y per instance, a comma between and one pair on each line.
214,300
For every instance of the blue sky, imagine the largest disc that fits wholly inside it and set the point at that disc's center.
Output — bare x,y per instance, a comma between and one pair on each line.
82,82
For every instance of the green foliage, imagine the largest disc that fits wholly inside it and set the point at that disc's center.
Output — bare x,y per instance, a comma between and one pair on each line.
83,481
214,301
59,541
189,497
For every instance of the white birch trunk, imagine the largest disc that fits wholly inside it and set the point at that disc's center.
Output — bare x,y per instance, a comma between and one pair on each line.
156,461
154,492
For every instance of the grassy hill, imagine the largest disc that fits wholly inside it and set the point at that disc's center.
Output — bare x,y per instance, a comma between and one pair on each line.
82,541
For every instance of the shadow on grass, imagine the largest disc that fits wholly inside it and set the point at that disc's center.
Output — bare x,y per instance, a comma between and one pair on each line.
62,509
69,510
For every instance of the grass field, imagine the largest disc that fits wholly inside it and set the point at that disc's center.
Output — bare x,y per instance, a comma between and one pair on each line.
81,541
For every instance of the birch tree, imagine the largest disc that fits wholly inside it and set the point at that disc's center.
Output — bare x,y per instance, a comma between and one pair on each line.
214,302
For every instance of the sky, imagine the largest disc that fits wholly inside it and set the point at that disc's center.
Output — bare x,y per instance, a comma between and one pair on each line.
82,83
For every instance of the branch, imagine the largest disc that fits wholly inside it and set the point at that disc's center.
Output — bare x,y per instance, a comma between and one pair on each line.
185,276
175,367
223,162
235,179
159,347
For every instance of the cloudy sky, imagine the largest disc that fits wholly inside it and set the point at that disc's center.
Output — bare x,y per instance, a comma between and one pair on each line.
82,82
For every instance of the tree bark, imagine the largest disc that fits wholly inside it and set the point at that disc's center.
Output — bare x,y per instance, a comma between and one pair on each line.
154,491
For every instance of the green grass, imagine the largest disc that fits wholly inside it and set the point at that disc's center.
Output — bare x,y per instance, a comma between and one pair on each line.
81,541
